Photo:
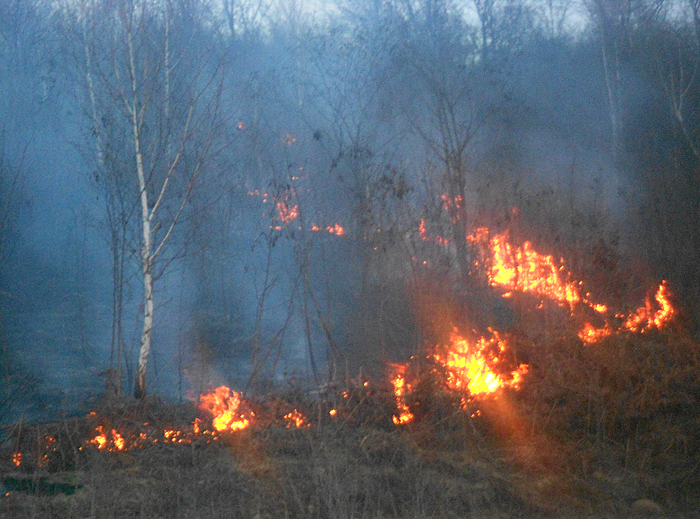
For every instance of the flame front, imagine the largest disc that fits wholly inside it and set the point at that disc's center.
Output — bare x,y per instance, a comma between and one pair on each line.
470,366
526,270
643,319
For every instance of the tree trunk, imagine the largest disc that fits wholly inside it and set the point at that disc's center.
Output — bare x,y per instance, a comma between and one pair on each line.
146,260
146,257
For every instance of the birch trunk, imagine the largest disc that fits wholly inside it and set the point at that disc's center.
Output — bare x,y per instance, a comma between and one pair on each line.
146,260
146,257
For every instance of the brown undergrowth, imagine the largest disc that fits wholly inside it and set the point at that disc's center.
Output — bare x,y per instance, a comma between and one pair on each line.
498,457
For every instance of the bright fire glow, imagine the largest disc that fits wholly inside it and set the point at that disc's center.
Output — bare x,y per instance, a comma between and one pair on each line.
102,440
645,318
17,458
400,390
590,334
526,270
223,404
470,366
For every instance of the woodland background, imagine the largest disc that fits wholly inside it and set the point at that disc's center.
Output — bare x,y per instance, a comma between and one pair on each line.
574,125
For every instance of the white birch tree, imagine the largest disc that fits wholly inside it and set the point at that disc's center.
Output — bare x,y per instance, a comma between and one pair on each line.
145,73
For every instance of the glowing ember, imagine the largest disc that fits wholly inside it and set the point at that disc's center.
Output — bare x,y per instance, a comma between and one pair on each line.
286,212
336,229
452,205
425,237
400,389
591,334
333,412
17,458
175,436
470,366
295,419
223,404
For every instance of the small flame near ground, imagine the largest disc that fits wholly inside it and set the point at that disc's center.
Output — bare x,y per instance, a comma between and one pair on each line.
642,320
296,419
223,403
471,368
401,387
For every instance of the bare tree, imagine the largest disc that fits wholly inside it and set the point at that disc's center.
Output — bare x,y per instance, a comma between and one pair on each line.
615,21
150,81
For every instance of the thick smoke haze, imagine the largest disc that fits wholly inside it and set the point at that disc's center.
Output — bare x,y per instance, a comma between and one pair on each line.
290,156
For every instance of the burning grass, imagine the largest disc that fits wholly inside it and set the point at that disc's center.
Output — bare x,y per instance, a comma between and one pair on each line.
462,453
578,408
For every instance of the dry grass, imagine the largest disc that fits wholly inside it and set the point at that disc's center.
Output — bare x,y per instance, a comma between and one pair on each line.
444,466
591,432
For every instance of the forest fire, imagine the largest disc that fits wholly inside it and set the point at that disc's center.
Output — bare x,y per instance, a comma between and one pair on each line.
287,212
643,319
111,440
524,269
401,387
425,237
471,369
224,404
471,366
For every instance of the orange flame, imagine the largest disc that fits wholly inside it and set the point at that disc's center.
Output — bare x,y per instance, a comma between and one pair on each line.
590,334
102,440
401,387
223,404
470,366
643,319
601,309
17,458
526,270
